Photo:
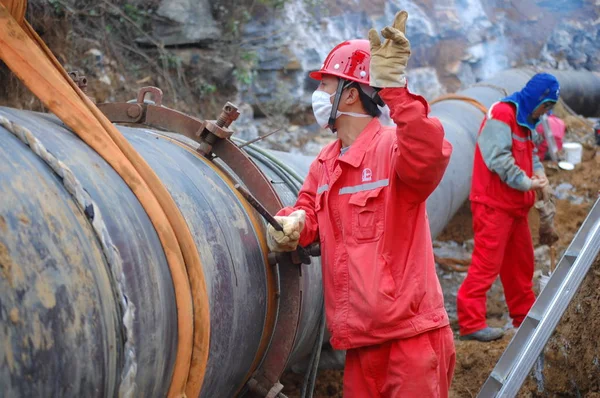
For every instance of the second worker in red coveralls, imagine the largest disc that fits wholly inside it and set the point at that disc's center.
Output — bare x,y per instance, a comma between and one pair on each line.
364,199
506,174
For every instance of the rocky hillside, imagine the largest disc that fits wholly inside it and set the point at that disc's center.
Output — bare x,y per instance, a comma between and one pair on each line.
461,40
258,52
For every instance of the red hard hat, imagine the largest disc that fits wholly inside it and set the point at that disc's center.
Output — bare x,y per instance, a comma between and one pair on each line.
349,60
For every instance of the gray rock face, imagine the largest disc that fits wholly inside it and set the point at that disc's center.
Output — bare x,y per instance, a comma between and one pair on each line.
208,66
576,44
455,43
459,41
464,41
186,22
296,40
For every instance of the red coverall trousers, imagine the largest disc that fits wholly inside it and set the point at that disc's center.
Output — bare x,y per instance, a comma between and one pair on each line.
417,367
502,246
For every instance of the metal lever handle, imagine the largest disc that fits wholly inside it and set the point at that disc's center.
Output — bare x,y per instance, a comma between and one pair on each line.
259,207
301,255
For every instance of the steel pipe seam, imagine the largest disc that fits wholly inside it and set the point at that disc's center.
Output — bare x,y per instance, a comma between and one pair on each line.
112,256
67,148
312,291
53,303
33,62
287,189
260,230
231,255
148,278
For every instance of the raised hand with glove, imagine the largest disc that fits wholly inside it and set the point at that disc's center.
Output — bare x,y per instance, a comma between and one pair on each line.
389,60
286,240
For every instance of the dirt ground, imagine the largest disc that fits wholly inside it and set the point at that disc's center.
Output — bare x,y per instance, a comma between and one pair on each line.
572,357
565,374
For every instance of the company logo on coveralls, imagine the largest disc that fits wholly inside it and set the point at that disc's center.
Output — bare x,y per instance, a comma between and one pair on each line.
367,175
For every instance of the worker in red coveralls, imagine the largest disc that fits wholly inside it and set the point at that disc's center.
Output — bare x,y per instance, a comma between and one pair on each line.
364,199
506,174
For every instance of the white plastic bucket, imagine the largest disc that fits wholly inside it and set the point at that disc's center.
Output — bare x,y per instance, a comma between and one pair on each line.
573,151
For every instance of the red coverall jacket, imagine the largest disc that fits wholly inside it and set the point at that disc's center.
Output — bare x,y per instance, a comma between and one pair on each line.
368,209
487,187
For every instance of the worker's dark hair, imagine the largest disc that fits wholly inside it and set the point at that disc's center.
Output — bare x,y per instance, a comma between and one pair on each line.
367,102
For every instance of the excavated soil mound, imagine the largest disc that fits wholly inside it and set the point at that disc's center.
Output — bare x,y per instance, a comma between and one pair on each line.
474,360
572,356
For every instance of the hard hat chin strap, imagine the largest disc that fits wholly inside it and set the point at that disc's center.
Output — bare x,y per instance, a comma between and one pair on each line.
371,92
336,103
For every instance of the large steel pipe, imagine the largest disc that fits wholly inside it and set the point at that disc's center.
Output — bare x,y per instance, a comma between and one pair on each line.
73,325
63,326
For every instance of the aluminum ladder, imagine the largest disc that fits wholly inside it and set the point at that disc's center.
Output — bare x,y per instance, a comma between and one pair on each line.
527,344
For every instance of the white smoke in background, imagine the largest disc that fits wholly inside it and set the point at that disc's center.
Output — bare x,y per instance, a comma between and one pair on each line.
491,57
419,24
471,12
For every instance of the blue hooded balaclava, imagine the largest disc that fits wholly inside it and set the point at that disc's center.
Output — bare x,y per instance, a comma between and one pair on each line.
543,87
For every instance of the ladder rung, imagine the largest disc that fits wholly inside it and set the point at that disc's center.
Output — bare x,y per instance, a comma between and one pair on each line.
572,253
535,317
570,256
497,377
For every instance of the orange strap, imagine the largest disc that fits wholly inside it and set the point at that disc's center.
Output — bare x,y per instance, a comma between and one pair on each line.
31,60
16,8
464,98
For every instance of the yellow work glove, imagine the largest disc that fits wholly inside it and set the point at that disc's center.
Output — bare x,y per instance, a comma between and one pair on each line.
286,240
388,60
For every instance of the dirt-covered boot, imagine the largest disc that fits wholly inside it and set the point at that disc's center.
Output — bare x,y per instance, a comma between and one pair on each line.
487,334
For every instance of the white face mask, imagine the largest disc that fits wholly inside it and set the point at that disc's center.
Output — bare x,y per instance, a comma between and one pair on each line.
322,108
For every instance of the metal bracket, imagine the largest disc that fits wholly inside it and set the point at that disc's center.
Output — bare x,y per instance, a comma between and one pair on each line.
166,119
81,82
299,256
273,392
213,140
219,129
151,113
156,92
